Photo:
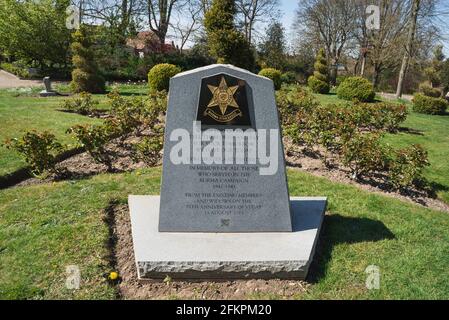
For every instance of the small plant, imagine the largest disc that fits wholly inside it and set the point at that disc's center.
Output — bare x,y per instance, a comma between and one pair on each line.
94,139
406,169
274,75
363,154
356,88
429,105
39,149
319,82
159,76
149,150
81,103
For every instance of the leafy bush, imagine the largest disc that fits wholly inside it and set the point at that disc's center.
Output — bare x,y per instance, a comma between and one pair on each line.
429,105
407,168
273,74
149,150
85,75
379,116
319,82
81,103
159,76
364,154
39,149
94,139
340,79
288,77
16,70
429,91
356,88
318,86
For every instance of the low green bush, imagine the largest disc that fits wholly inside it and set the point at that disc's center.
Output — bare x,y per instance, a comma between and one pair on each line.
159,76
39,149
273,74
429,91
317,85
429,105
407,167
288,77
94,139
356,88
149,150
16,70
81,103
379,116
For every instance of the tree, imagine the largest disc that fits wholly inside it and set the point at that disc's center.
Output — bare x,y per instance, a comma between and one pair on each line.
319,82
434,71
329,24
379,45
252,11
35,31
185,29
226,43
272,49
408,47
445,75
85,76
159,16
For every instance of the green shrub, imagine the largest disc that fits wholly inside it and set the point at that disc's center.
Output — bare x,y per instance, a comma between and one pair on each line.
39,149
340,79
429,105
356,88
428,91
81,103
288,77
159,76
379,116
406,169
85,75
16,70
149,150
94,139
225,43
364,154
318,86
319,82
273,74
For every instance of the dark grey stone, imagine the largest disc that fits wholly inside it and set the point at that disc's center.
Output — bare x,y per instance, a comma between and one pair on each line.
48,92
238,198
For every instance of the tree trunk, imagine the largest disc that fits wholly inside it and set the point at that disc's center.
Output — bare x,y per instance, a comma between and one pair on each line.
408,47
362,69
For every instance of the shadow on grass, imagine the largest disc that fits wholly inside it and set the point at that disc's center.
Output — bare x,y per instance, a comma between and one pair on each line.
336,230
411,131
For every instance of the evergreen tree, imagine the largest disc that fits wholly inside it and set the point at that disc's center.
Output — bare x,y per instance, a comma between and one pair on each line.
226,43
85,75
319,82
272,49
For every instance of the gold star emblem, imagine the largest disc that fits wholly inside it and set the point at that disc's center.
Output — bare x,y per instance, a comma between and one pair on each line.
223,96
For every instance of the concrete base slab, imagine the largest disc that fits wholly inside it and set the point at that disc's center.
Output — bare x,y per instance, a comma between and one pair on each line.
48,93
212,256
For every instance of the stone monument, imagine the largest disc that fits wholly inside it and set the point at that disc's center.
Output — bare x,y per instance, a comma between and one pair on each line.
48,92
224,210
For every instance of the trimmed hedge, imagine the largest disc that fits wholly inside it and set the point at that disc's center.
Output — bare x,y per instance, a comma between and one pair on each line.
274,75
319,82
429,105
159,76
18,71
356,88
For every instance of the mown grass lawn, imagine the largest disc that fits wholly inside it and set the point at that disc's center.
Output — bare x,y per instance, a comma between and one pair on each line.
20,112
47,227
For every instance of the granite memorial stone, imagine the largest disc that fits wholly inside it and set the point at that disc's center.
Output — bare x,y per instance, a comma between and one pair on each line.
224,210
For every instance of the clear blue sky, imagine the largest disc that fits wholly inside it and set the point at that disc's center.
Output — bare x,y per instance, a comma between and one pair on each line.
289,7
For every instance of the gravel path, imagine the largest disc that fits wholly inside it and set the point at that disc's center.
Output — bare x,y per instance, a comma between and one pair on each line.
8,80
392,96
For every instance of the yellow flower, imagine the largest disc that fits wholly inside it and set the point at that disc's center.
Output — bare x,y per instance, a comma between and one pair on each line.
113,275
